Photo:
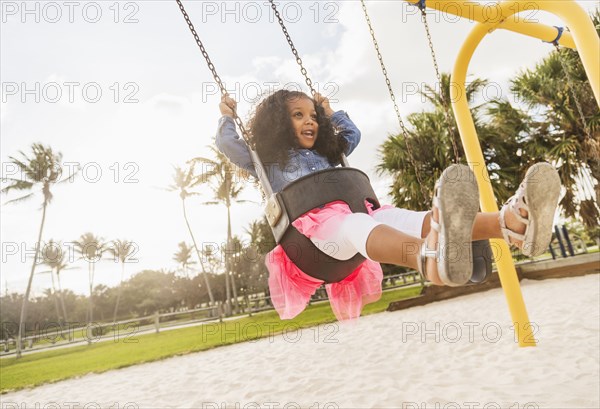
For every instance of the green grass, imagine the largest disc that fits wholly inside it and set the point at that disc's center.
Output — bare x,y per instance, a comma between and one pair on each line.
51,366
79,333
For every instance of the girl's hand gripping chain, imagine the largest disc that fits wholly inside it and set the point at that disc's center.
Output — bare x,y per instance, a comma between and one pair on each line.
324,102
227,105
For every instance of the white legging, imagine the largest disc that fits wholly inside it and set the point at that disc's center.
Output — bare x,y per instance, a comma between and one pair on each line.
350,237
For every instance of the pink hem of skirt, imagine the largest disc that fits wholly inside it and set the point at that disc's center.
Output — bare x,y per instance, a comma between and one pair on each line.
291,288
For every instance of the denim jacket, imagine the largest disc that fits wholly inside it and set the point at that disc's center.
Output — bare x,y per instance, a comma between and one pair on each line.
302,161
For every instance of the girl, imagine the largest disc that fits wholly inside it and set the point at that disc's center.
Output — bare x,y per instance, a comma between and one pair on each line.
295,135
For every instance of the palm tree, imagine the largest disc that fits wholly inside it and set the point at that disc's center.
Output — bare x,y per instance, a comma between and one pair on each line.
90,248
261,236
39,171
184,257
121,251
48,256
261,241
227,182
184,180
253,231
58,268
54,257
550,91
430,141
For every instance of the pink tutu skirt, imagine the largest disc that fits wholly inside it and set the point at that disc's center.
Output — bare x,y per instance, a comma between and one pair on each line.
291,288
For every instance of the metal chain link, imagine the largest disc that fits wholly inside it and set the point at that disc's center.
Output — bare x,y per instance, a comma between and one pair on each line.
313,92
571,86
213,70
445,104
294,51
393,97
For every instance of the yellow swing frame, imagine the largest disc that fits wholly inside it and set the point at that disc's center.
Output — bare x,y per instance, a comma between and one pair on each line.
582,37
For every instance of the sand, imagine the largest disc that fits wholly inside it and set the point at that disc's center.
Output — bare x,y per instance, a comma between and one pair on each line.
450,354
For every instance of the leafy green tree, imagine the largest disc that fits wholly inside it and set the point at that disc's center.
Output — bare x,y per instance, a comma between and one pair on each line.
39,171
104,300
150,291
430,138
546,125
261,241
549,91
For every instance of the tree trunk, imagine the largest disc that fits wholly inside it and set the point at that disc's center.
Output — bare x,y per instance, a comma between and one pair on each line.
236,302
231,276
54,296
228,264
119,292
91,301
28,290
204,274
62,301
92,268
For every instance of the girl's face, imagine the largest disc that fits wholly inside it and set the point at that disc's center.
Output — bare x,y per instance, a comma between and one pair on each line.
304,120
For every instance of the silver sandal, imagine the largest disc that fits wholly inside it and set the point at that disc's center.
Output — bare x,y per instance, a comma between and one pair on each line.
457,199
538,194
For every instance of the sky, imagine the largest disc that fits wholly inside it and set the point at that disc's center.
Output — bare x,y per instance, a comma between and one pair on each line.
120,88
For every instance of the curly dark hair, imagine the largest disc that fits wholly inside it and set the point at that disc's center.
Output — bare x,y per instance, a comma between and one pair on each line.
273,135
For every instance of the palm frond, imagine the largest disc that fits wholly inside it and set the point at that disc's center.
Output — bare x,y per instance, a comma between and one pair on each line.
20,199
18,185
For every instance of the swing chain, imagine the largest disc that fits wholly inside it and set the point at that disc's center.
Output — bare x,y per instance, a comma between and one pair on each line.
571,86
393,97
445,105
294,51
213,70
313,92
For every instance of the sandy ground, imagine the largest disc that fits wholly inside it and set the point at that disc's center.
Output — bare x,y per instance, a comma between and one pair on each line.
451,354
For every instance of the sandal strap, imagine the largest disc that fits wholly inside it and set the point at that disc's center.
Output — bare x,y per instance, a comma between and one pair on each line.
425,253
514,205
434,225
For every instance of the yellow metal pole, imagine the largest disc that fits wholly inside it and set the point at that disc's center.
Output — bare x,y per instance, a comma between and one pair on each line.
588,44
492,14
466,126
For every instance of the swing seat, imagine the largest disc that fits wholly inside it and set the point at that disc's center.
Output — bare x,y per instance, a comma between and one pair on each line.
353,187
482,261
347,184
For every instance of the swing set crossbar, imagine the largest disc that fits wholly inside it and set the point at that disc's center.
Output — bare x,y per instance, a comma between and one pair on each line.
494,16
